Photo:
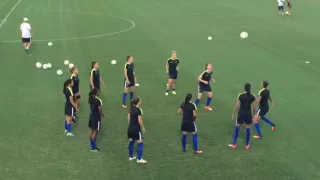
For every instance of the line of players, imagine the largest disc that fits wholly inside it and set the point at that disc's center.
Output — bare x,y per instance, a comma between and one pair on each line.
187,109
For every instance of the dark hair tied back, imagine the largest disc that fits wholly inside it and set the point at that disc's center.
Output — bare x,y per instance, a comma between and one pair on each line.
247,88
92,95
265,84
93,63
188,98
134,102
66,83
128,57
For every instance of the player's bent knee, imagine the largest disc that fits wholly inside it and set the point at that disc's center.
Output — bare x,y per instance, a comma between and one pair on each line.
140,141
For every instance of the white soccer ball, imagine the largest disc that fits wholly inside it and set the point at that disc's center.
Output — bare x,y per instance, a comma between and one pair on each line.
38,65
45,66
244,35
71,65
66,62
49,65
59,72
209,38
50,43
113,62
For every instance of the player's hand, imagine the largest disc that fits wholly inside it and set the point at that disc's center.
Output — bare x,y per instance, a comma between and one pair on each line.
127,81
206,82
167,71
213,80
233,117
143,130
77,109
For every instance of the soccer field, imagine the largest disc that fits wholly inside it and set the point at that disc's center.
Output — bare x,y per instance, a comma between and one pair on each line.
33,145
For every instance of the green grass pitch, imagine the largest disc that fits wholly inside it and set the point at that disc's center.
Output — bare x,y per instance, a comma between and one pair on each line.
33,145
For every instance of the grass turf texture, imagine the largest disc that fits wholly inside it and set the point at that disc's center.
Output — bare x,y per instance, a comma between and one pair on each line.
33,145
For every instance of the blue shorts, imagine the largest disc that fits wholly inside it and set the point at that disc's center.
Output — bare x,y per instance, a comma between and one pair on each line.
173,75
204,88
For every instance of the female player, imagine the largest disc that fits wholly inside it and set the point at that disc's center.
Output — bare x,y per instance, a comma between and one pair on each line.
264,97
75,89
95,78
188,112
129,80
70,105
289,2
135,130
172,68
243,107
95,118
204,85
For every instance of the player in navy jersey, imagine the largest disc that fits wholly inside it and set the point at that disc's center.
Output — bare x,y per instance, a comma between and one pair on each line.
172,68
129,80
75,88
245,102
70,105
264,97
188,111
135,130
95,78
95,118
204,86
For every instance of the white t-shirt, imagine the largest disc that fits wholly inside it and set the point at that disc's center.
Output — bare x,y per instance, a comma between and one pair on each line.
281,2
25,30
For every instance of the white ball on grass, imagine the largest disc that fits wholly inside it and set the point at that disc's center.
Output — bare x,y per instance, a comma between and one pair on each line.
244,35
59,72
49,65
50,43
66,62
209,38
45,66
71,65
113,62
38,65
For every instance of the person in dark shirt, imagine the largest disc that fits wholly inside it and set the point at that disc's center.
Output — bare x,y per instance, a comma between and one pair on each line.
204,86
263,100
188,111
95,118
95,78
70,105
289,2
129,80
135,130
245,102
172,68
75,88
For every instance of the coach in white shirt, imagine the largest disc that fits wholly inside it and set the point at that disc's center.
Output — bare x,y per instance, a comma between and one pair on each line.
26,33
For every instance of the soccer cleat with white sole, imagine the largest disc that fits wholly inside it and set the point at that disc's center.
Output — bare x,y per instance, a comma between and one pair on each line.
132,158
70,134
142,161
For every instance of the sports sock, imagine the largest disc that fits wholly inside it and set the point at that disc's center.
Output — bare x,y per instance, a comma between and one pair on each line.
235,135
131,96
195,142
267,121
197,101
208,101
68,127
94,144
124,98
257,126
91,143
65,124
247,136
140,150
131,145
184,141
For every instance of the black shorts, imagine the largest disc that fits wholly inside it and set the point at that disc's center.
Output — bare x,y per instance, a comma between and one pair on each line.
173,75
95,123
77,97
280,8
26,40
289,5
204,88
244,119
130,84
69,111
262,112
189,127
134,134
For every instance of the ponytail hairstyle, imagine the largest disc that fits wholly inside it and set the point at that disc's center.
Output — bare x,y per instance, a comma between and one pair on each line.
187,98
206,66
66,83
72,69
265,84
93,63
92,94
247,88
135,101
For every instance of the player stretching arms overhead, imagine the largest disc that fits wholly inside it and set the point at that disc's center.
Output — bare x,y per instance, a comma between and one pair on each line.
25,29
188,112
243,107
129,80
172,68
135,130
264,97
204,85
